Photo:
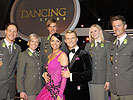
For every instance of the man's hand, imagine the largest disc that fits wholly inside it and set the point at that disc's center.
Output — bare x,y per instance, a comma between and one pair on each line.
106,86
45,76
23,95
65,74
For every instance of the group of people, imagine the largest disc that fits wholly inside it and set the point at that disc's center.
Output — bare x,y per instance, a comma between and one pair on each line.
62,70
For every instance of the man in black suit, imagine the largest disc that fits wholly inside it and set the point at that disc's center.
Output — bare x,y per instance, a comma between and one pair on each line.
79,70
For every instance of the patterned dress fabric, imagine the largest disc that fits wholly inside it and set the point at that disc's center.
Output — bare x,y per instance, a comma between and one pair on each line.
56,85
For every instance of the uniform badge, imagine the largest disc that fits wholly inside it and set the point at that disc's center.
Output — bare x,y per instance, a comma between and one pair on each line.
30,53
102,45
92,44
3,44
125,41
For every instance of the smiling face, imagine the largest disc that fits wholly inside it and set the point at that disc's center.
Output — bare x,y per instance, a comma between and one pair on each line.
52,28
11,33
71,40
119,28
95,33
55,43
33,43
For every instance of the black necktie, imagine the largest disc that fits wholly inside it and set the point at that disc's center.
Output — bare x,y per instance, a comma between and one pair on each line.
35,53
97,43
9,47
118,43
73,50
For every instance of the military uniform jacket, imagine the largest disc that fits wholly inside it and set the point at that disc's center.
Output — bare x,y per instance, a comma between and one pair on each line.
29,73
101,61
80,67
121,79
8,69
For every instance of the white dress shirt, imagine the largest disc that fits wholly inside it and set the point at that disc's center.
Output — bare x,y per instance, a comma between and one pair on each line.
72,54
121,39
96,42
71,57
7,44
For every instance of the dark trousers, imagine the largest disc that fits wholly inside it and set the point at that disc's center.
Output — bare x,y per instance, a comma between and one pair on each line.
82,94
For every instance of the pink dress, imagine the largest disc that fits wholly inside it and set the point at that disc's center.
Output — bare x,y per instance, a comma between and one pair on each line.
56,85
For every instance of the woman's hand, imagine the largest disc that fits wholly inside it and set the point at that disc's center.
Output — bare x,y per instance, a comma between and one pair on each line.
45,76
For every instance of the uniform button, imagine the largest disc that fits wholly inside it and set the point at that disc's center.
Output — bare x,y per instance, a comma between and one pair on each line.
34,76
95,62
39,78
115,60
95,67
38,68
38,63
116,74
101,68
116,53
9,66
115,67
39,73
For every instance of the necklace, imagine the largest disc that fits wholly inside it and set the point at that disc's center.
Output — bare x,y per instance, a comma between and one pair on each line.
54,53
51,56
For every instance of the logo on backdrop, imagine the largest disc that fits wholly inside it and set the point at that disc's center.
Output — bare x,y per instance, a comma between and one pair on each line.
32,15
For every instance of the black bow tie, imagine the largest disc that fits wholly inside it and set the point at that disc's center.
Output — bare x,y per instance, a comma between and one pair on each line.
73,51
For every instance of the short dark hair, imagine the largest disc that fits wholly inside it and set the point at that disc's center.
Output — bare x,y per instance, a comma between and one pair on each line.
118,17
57,35
6,26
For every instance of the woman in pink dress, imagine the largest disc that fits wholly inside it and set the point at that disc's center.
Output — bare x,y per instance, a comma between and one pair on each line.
57,61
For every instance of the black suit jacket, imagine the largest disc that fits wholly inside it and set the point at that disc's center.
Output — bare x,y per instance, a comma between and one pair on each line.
81,69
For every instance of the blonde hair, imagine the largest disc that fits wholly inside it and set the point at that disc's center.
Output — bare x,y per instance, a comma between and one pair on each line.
30,38
101,33
71,31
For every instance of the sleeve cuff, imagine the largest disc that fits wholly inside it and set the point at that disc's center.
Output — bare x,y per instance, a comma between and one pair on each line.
71,77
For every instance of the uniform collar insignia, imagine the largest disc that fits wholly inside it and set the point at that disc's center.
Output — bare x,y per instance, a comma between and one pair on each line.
92,44
3,44
30,53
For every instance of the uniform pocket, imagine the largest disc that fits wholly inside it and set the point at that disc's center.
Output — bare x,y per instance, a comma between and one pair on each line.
128,57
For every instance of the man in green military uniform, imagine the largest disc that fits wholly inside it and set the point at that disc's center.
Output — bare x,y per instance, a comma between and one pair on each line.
121,79
8,57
